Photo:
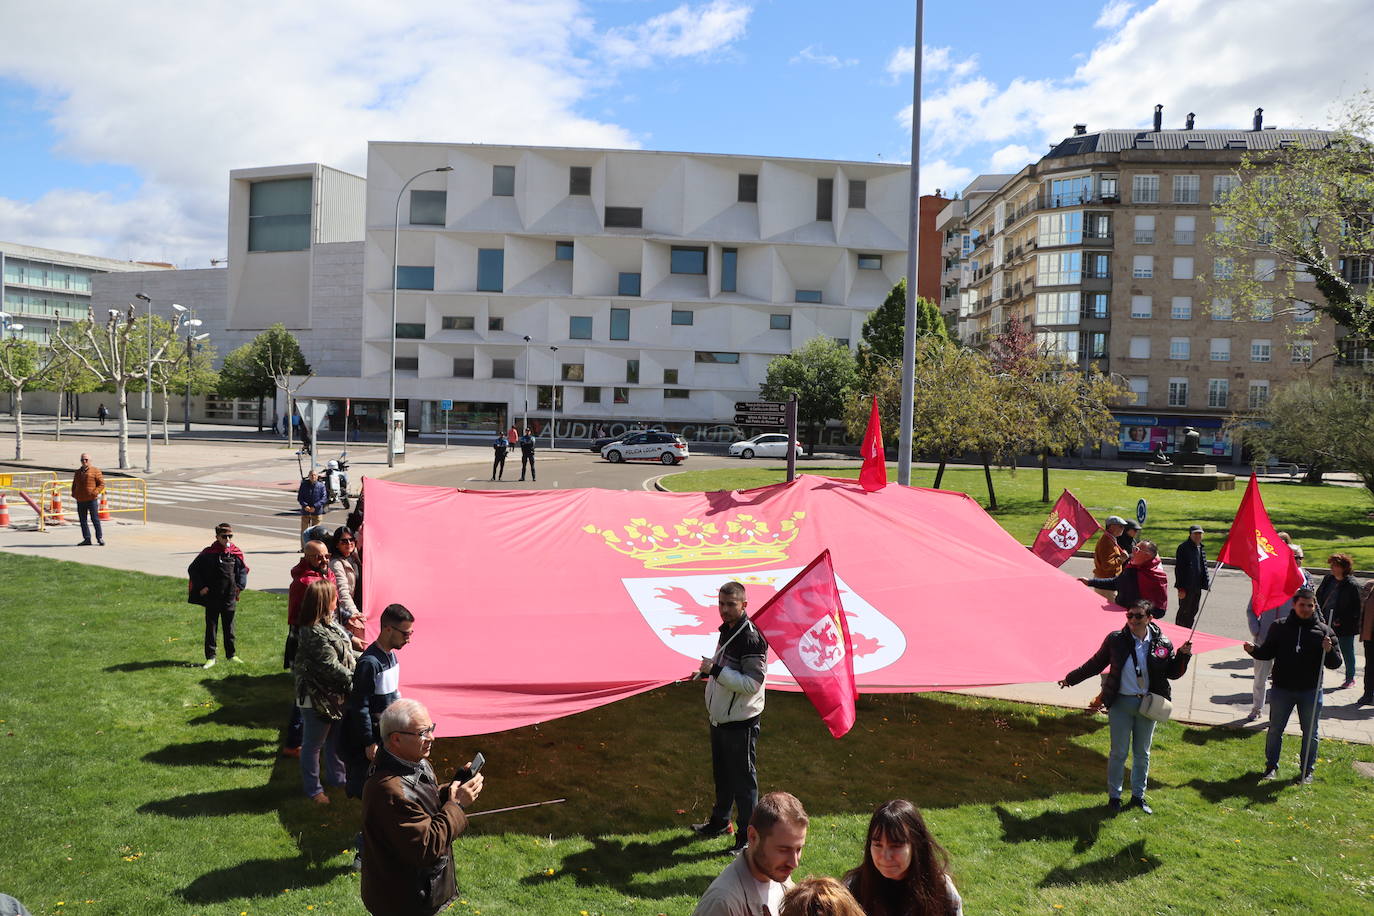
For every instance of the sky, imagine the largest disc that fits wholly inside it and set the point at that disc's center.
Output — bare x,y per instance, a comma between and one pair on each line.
120,123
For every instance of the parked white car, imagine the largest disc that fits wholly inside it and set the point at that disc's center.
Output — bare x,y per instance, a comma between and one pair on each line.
767,445
662,447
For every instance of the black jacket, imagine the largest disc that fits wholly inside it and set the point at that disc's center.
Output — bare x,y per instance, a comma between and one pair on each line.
1190,566
1295,645
1162,663
223,572
527,446
366,702
1339,600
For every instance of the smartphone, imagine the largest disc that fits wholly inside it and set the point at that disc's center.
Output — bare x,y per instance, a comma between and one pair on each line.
464,773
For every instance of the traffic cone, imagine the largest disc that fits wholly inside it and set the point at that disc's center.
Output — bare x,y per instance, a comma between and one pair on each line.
4,512
57,517
104,514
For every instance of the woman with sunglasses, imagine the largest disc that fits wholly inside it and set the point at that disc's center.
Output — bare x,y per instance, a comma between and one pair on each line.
345,562
323,667
217,575
1140,660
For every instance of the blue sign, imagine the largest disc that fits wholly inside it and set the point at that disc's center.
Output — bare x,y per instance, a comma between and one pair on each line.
1141,511
445,405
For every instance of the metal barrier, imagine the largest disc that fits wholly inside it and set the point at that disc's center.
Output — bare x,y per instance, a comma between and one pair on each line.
122,494
27,486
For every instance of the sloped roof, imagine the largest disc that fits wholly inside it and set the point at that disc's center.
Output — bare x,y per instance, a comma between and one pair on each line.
1114,141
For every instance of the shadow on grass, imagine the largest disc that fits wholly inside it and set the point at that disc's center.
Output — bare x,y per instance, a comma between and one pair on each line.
1082,826
219,803
1246,788
622,864
228,752
1129,862
248,701
258,878
1205,736
148,666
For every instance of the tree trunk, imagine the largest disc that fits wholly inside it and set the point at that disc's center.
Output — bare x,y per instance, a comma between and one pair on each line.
1045,476
1313,475
122,400
166,406
939,474
987,475
17,411
61,409
274,419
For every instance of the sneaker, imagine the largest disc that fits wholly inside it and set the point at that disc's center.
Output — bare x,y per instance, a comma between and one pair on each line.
209,663
1365,700
358,861
1347,684
711,828
1270,775
1139,802
1304,780
101,543
1113,805
236,660
1254,714
320,798
85,543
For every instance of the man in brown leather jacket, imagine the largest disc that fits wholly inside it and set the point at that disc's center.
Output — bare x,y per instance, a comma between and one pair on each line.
87,485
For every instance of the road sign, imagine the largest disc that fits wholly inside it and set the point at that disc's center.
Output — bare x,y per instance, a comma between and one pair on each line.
445,405
761,419
1141,511
777,407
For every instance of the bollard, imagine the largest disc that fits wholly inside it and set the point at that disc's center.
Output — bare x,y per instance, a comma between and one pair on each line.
4,512
104,513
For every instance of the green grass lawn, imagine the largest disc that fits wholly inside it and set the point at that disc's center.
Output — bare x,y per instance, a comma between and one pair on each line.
134,782
1323,519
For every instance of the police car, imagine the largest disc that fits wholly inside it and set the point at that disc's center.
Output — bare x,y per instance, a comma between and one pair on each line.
652,445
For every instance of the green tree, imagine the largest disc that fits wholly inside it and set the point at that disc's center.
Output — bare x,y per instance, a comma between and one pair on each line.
883,329
23,364
67,376
1318,422
262,366
821,374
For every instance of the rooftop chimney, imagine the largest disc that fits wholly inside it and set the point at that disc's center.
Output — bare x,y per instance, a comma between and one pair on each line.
1188,125
1159,116
1259,119
1080,129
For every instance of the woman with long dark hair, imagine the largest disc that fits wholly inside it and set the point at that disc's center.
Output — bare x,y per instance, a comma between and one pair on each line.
1338,596
324,675
904,872
348,571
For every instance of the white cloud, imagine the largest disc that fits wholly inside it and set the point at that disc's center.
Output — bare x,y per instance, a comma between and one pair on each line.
944,176
809,55
686,31
1011,158
1114,13
934,62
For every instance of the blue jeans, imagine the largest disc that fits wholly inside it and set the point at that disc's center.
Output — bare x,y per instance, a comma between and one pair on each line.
1130,732
1282,702
320,735
1348,654
89,508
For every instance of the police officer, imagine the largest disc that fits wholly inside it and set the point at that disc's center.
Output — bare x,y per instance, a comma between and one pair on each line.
527,454
498,462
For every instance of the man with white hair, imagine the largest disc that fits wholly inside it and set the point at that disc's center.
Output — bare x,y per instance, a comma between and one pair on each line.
409,820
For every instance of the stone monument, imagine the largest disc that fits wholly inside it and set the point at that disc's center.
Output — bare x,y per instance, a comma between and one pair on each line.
1186,469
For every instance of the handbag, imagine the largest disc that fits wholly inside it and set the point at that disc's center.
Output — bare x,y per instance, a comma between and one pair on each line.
1153,706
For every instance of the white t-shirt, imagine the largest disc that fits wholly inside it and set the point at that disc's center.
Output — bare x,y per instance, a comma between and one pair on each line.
771,894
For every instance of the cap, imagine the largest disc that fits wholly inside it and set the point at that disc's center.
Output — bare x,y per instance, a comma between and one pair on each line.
1132,525
1195,528
1116,520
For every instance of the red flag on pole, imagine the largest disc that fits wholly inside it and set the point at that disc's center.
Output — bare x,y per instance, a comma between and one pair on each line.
873,476
1254,546
1068,527
805,624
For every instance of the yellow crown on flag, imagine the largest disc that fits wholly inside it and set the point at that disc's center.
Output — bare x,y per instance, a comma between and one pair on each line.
741,542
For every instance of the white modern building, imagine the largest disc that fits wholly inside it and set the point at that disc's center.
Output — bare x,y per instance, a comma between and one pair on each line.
42,288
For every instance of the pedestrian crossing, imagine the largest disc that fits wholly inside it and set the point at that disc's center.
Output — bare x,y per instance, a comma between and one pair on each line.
190,493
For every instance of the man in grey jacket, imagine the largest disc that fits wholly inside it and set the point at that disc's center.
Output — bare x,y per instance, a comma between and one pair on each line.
755,882
734,704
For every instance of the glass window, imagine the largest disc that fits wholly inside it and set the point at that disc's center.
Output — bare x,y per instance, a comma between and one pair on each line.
676,394
428,208
491,269
1059,269
1181,309
1070,192
1059,229
1186,189
709,356
621,395
1221,309
620,324
580,180
1096,306
682,317
562,251
503,181
1096,345
1143,266
858,194
279,215
1180,347
1145,189
1264,269
1223,185
579,328
748,188
1057,308
729,267
1185,230
870,262
825,198
411,363
842,341
503,368
410,330
1139,348
1218,392
496,324
1099,266
410,277
624,217
670,376
1259,393
573,372
632,371
687,260
779,322
808,295
1220,350
1223,269
591,395
1260,351
1063,344
1107,184
1303,311
1144,230
1264,310
457,323
1140,387
1183,268
628,284
1301,352
463,367
1178,392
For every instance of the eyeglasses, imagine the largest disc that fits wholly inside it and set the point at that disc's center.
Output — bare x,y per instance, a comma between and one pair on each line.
1130,616
345,540
424,734
227,536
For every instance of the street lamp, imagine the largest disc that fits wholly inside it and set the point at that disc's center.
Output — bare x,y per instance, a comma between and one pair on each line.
526,424
148,391
395,283
553,399
7,323
187,319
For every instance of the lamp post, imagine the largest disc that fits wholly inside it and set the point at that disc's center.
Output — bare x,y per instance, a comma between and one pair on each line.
553,399
148,391
526,424
395,274
186,318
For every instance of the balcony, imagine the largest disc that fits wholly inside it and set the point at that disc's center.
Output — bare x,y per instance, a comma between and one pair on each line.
1056,202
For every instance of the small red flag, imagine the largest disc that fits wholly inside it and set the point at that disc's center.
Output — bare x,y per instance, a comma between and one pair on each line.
1254,546
1068,527
805,624
873,475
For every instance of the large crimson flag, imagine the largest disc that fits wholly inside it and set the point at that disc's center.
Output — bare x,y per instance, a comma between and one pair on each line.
1068,527
806,626
873,476
1254,546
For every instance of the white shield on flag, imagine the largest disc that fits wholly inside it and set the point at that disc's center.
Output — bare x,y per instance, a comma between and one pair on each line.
822,647
682,612
1064,535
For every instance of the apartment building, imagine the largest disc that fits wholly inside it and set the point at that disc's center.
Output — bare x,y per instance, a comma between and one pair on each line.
956,262
42,288
1100,247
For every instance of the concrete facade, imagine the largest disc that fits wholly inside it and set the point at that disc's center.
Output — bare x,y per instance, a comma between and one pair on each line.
41,288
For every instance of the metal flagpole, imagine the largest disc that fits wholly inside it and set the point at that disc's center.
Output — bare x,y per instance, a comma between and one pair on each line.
1192,681
552,801
912,264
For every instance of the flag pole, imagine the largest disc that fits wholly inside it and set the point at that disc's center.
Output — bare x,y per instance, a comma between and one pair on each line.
1192,681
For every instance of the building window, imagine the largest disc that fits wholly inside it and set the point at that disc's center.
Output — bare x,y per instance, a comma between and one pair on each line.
870,262
729,267
1060,269
1180,348
1107,186
1099,266
1218,392
411,363
580,180
1185,230
748,189
1260,351
463,367
496,324
503,181
713,356
670,376
591,395
1063,344
1140,387
825,199
842,341
779,322
1221,309
1144,230
624,217
428,208
632,371
1183,268
1264,310
620,395
620,324
1264,269
457,323
573,372
1178,392
1223,269
628,284
676,394
410,330
687,260
1143,266
1139,348
1096,345
1220,350
491,269
1303,312
279,215
1057,308
1145,189
580,328
1259,394
1186,189
1070,192
1182,308
562,251
503,368
808,295
1223,185
1059,229
409,277
1097,306
682,317
1301,352
858,194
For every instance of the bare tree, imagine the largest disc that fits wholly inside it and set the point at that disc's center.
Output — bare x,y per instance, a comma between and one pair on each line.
23,364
